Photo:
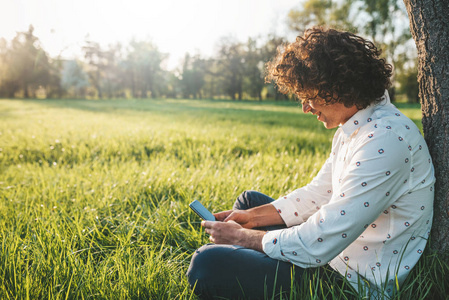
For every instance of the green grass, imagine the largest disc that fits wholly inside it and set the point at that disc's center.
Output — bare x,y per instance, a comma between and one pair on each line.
94,194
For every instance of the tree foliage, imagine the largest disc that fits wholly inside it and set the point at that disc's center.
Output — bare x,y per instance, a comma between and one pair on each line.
25,65
144,66
236,70
74,79
321,12
193,76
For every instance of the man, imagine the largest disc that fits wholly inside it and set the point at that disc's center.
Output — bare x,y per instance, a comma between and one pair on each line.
369,210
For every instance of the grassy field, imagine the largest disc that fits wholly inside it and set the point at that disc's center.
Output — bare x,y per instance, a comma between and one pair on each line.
94,194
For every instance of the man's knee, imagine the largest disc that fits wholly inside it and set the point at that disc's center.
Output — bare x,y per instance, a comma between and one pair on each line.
202,273
248,195
249,199
198,265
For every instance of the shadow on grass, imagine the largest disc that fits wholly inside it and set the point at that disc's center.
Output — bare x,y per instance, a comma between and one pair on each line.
285,114
267,113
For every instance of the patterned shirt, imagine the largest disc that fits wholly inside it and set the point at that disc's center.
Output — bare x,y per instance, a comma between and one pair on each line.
368,212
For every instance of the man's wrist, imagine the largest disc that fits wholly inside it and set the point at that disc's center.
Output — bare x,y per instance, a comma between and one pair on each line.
265,215
254,217
252,239
258,218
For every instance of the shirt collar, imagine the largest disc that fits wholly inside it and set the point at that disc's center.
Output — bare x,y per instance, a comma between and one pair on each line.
363,116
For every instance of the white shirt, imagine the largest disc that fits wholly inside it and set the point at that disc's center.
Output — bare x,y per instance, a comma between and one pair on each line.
369,210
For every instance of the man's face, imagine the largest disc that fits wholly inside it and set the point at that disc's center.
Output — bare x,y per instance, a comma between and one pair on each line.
332,115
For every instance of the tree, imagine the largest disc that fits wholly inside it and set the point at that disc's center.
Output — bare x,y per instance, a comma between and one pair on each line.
231,63
211,78
378,17
321,12
97,62
144,63
409,84
253,82
26,65
74,79
384,21
429,25
114,72
192,77
268,51
8,85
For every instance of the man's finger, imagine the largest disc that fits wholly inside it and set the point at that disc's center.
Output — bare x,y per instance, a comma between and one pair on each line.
230,217
227,218
220,216
207,224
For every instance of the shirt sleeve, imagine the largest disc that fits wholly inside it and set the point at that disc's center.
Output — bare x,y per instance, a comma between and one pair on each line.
296,207
375,176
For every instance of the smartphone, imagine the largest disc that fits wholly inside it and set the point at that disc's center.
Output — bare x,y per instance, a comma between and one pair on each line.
201,211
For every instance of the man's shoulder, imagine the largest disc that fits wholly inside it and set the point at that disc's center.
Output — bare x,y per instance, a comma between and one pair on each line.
390,119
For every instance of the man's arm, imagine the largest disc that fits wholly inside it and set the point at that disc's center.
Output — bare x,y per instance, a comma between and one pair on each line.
234,228
376,175
234,234
296,207
264,215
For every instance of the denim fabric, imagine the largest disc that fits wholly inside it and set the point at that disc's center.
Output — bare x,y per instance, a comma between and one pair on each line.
232,272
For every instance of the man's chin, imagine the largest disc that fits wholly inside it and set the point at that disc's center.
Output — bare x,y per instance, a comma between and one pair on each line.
328,126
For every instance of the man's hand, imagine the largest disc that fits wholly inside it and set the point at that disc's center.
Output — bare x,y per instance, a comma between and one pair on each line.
235,226
264,215
232,233
223,232
243,217
221,216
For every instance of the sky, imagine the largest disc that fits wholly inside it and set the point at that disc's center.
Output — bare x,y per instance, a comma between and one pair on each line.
175,26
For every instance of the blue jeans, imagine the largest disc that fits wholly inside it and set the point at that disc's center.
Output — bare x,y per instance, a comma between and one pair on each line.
226,271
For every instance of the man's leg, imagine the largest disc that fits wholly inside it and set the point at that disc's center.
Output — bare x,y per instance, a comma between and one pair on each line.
236,272
250,199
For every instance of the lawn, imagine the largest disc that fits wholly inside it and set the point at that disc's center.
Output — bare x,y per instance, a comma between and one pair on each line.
94,194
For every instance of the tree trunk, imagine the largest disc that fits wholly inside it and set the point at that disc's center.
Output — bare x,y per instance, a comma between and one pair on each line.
429,24
26,95
98,85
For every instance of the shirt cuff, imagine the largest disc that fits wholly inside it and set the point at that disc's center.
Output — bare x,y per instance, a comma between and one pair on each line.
288,211
271,244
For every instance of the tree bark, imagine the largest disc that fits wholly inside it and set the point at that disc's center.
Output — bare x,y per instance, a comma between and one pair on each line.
429,25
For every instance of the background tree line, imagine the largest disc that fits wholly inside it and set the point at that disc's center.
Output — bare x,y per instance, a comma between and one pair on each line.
236,71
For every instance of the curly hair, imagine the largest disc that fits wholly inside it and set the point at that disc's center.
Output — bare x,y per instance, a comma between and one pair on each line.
332,66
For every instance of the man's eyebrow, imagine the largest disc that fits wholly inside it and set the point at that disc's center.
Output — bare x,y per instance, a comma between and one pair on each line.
302,99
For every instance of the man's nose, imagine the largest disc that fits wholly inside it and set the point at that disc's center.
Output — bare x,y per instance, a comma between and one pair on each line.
306,107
